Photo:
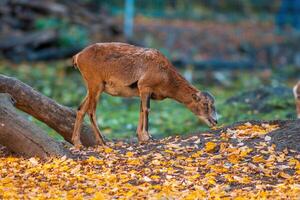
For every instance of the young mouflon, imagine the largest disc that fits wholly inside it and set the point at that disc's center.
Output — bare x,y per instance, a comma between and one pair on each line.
296,91
125,70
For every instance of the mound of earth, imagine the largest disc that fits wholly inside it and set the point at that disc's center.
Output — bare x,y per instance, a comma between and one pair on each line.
265,99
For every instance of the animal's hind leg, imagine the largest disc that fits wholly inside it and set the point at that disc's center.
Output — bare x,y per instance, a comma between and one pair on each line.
92,113
78,122
145,95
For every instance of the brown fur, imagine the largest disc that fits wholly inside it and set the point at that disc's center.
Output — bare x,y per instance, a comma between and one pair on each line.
125,70
296,91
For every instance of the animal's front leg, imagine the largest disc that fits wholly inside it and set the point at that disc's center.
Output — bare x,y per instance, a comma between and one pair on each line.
140,124
143,134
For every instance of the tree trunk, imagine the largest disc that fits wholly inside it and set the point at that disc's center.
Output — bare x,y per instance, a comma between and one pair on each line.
23,137
56,116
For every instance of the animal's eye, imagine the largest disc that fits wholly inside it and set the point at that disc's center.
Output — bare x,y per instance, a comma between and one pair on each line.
206,109
196,97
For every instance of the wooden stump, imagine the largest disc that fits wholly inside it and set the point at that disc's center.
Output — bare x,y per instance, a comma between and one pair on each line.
23,137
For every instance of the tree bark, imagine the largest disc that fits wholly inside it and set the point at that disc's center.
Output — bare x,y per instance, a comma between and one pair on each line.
23,137
56,116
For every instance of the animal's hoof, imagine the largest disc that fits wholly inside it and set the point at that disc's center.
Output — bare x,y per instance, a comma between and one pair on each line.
100,143
78,147
144,138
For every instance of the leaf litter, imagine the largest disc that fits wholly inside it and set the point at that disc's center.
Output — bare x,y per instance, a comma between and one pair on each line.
227,165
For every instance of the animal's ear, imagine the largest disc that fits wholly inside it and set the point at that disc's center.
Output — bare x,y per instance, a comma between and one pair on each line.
207,96
196,97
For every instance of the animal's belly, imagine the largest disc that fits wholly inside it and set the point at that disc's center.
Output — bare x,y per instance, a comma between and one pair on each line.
122,91
156,96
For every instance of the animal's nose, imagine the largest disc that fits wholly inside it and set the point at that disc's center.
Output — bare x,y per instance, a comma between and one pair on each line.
213,122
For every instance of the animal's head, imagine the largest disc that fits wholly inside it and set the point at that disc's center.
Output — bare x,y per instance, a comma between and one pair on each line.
203,106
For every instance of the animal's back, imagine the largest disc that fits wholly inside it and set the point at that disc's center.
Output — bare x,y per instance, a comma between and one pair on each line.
119,61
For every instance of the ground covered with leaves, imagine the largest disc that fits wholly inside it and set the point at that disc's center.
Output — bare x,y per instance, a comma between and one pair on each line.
233,163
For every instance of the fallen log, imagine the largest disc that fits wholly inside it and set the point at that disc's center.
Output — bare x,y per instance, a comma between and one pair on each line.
50,53
56,116
45,7
34,39
23,137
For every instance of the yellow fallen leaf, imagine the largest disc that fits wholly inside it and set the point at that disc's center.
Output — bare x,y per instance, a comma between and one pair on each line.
108,150
233,158
99,196
154,177
133,161
211,181
129,154
244,152
90,190
284,175
92,159
258,159
210,146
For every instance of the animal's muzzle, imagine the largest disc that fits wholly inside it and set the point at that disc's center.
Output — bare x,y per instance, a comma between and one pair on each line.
212,121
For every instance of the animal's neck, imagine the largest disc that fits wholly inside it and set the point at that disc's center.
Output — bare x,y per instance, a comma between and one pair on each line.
183,90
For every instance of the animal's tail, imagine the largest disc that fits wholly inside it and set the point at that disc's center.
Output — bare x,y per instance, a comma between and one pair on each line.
74,61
